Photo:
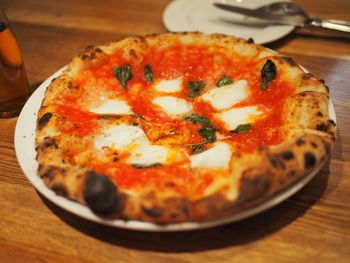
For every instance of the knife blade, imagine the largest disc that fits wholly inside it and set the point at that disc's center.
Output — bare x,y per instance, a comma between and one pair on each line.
263,14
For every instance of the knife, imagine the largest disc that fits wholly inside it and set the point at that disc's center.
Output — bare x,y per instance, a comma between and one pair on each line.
263,14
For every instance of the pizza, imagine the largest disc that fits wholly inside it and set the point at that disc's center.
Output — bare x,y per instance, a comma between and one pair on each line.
180,127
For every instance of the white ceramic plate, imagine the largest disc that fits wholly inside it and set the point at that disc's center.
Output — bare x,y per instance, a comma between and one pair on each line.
201,15
25,151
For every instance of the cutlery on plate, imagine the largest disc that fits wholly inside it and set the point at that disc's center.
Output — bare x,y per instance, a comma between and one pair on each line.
287,13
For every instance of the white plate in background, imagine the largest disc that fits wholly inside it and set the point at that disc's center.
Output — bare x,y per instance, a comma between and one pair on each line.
202,15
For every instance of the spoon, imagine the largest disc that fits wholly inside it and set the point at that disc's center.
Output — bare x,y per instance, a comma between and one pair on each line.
288,13
292,9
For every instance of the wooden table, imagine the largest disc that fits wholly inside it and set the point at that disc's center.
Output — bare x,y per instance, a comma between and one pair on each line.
311,226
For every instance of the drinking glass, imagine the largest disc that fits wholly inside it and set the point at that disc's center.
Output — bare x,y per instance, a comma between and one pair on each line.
14,87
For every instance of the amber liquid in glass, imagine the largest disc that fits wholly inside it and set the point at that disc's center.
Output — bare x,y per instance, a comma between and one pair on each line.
14,88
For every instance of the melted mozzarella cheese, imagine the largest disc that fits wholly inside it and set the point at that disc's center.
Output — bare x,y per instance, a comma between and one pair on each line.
218,156
148,155
120,136
225,97
114,106
173,105
237,116
169,86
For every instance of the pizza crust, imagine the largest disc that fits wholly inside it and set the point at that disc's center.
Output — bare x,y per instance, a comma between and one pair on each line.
254,176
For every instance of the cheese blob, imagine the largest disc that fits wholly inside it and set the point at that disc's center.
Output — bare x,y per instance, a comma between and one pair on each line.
115,106
218,156
173,105
169,86
148,154
120,136
237,116
225,97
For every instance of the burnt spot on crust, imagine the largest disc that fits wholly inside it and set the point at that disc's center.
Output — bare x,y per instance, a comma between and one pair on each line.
291,173
314,145
44,120
88,47
319,114
290,61
101,194
307,76
277,163
154,212
59,189
300,142
72,85
322,127
88,57
287,155
327,88
48,172
309,160
250,40
48,142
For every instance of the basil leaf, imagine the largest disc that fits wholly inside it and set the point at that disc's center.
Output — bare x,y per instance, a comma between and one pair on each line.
198,119
148,73
197,149
243,128
196,88
198,144
142,166
123,74
208,132
268,73
108,116
136,116
224,81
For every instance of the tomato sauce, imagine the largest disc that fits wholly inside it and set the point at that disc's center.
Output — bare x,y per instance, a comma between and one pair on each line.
191,63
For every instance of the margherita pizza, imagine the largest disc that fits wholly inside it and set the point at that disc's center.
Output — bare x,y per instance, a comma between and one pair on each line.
180,127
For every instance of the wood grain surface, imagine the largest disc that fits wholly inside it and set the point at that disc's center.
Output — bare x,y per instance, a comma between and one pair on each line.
311,226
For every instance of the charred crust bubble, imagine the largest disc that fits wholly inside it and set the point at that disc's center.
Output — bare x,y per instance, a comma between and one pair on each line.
300,142
44,120
88,47
307,76
287,155
276,162
314,145
50,172
101,194
48,142
60,189
309,160
154,212
250,40
319,114
290,61
322,127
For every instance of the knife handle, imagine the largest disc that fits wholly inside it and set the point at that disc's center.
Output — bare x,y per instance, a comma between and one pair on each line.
333,24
